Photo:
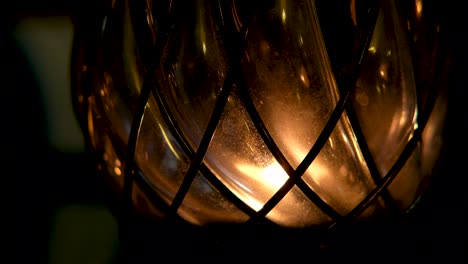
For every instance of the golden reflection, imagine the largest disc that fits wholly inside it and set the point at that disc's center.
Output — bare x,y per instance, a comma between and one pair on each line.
201,27
235,16
303,76
403,119
353,12
168,141
129,55
90,122
117,171
377,88
382,73
419,7
282,7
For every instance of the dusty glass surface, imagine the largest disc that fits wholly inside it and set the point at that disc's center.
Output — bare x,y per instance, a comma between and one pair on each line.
299,113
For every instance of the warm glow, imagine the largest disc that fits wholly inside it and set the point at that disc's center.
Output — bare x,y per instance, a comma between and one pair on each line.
382,73
269,117
117,171
319,173
419,7
283,4
272,177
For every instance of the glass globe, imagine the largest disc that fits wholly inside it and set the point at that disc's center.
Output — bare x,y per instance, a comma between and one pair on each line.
297,114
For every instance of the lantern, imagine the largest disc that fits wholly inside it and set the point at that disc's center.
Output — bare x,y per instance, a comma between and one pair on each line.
291,115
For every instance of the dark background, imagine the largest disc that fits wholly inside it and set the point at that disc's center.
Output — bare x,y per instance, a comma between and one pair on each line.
60,216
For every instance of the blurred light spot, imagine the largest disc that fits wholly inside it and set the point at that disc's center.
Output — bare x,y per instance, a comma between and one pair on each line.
83,234
419,7
47,42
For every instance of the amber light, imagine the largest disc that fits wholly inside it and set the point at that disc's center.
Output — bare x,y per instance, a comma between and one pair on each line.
296,114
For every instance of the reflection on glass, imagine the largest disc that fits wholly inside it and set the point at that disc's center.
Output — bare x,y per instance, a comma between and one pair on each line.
276,110
385,96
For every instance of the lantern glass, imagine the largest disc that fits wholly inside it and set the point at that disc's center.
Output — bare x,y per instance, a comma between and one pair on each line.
296,113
